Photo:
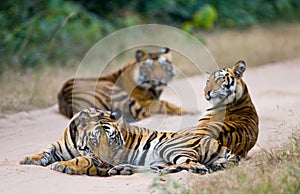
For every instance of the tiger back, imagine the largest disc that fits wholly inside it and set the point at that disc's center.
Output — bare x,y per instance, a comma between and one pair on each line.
135,89
232,120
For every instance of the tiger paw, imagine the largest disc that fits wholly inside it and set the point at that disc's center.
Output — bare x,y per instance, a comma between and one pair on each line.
219,164
223,163
232,160
201,169
34,160
121,169
65,168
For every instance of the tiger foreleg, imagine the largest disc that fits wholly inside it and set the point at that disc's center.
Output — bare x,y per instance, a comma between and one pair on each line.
40,159
59,151
80,165
45,157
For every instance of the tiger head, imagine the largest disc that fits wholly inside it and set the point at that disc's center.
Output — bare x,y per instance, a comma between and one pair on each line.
154,70
93,130
225,86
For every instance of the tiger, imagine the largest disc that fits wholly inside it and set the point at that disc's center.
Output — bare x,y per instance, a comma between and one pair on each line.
102,143
232,119
135,89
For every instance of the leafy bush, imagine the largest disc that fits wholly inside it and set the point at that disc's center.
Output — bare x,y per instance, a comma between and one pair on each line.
36,31
195,14
205,17
33,31
234,13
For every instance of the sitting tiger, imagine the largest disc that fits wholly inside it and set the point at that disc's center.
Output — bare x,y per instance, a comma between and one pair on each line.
98,142
232,120
135,89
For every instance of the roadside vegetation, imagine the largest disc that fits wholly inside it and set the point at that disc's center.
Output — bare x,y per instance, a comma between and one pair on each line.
51,33
268,171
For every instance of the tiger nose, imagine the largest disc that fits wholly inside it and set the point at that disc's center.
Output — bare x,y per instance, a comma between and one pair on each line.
159,76
160,79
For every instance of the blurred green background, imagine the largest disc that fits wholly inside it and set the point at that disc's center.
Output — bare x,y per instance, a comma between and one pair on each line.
33,32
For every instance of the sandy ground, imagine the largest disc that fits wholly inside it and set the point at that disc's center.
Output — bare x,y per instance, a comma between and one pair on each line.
274,89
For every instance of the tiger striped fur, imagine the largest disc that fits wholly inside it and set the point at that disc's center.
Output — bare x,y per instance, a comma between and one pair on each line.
232,120
101,143
135,89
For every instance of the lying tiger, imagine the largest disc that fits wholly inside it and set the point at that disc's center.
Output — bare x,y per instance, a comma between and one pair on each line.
101,143
135,89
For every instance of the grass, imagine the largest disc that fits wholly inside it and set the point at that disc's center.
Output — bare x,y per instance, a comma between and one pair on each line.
32,89
276,171
257,45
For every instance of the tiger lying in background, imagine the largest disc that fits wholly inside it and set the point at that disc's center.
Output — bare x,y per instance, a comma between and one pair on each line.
135,89
100,143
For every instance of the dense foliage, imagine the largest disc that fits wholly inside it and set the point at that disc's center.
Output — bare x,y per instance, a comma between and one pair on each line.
55,31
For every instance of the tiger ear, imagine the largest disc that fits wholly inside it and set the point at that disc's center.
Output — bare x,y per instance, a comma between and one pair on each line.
115,114
166,53
239,68
72,126
165,50
207,75
84,115
83,118
139,55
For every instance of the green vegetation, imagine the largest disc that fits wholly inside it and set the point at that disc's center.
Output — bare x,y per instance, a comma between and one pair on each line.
168,186
39,31
231,13
33,32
